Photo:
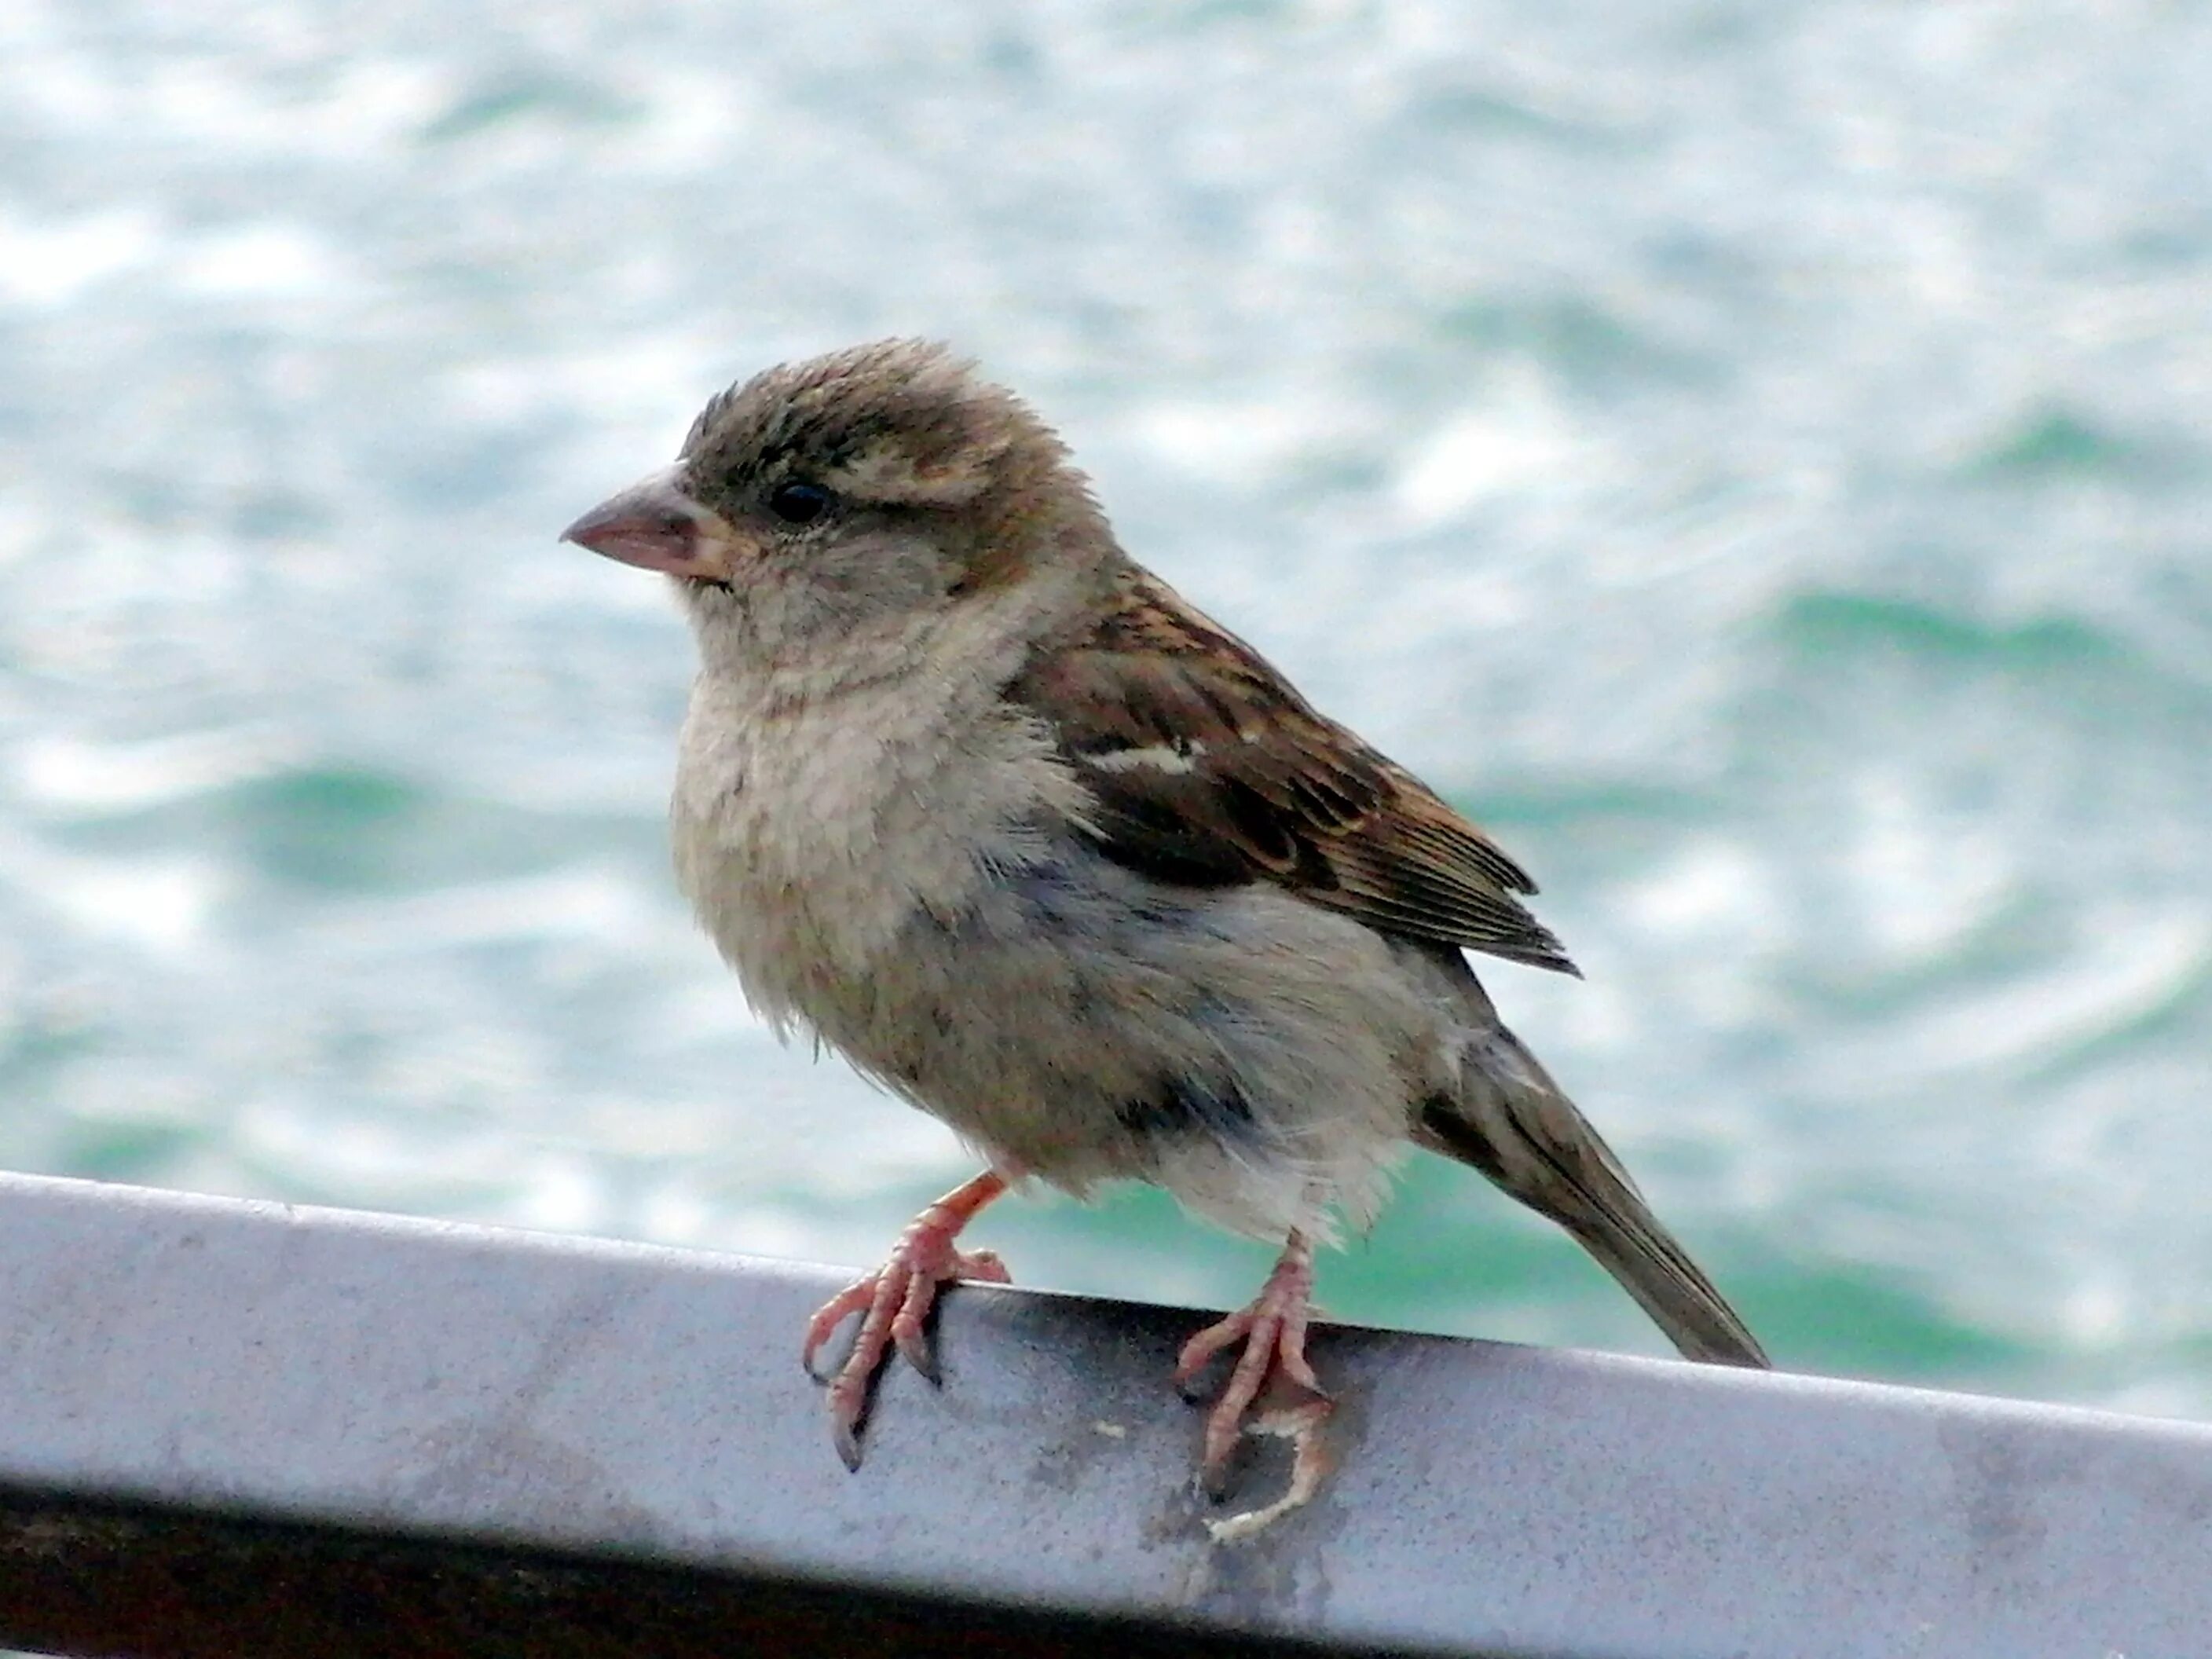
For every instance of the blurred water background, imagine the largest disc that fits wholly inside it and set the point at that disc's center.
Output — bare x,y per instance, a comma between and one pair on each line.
1753,454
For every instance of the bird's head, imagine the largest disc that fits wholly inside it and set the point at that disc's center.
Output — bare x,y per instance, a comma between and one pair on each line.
865,486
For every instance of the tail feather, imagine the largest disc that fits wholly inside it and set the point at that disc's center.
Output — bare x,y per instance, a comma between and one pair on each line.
1512,1121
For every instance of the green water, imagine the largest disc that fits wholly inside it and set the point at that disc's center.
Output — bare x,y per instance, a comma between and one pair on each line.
1752,457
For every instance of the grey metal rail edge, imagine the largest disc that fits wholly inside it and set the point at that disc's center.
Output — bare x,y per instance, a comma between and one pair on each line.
235,1428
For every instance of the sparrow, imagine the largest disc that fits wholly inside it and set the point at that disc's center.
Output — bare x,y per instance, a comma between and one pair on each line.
970,796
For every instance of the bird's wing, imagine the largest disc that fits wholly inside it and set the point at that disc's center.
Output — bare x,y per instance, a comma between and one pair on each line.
1209,769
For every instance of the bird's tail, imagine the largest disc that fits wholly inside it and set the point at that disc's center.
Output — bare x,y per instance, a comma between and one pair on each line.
1513,1123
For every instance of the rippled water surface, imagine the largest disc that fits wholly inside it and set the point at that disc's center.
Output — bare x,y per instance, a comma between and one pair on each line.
1753,455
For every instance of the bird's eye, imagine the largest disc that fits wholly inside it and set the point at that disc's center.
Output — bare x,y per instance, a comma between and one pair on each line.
798,501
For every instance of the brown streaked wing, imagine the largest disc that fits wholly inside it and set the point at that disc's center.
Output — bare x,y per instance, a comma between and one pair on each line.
1210,770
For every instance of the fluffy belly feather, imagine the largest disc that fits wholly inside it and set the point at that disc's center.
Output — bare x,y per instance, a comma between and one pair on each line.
1075,1021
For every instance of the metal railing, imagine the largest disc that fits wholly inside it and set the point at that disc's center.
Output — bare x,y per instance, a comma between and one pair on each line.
234,1428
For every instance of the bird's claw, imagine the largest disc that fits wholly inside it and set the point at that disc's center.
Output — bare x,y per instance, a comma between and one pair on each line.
1272,1389
894,1303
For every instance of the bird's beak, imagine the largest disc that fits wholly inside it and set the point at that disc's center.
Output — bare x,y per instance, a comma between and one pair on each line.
655,525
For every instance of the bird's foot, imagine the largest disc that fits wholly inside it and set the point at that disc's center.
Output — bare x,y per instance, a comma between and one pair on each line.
1273,1390
894,1303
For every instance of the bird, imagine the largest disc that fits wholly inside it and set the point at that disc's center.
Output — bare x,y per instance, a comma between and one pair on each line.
970,796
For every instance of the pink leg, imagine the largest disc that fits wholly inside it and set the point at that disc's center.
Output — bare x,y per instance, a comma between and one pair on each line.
895,1300
1272,1330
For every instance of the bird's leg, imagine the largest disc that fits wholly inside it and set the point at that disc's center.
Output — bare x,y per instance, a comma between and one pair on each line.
895,1300
1272,1328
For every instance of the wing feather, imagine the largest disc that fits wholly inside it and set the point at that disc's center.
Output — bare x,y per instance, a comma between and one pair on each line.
1209,769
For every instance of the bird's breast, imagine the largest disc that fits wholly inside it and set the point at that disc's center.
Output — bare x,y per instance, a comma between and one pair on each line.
808,839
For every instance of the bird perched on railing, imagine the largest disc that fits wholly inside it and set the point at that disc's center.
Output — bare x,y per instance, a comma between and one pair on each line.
975,799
